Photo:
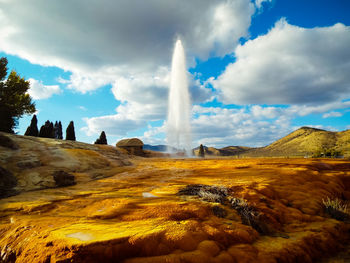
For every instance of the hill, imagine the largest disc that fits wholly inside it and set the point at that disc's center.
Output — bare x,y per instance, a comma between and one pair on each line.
307,142
226,151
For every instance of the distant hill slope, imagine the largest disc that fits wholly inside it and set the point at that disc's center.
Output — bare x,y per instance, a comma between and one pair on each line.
159,148
306,141
226,151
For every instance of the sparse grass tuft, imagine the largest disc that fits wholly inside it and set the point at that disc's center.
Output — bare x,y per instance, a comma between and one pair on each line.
336,209
250,216
210,193
209,197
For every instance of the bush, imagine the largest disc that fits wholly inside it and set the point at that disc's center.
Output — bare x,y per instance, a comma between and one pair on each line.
336,209
250,216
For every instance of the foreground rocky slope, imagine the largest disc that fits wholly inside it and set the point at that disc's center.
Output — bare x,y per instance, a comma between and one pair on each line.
31,163
165,210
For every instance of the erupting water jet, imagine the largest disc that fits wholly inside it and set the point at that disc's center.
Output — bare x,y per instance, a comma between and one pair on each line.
179,106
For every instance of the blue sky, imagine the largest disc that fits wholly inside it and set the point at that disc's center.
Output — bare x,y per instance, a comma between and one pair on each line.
257,69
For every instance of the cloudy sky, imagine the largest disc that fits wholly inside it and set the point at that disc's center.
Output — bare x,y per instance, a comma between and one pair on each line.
258,69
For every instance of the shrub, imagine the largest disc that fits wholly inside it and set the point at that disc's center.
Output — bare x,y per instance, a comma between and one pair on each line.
336,209
208,193
250,216
210,197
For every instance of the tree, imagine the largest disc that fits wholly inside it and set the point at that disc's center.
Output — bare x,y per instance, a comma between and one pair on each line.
70,133
47,130
32,130
60,133
58,130
102,139
14,99
201,151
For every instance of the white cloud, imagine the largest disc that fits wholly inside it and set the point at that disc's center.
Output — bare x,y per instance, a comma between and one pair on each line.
332,114
99,41
304,110
258,3
245,127
82,108
114,125
289,65
40,91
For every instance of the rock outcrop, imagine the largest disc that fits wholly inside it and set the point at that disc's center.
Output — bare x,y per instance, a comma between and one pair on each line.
31,163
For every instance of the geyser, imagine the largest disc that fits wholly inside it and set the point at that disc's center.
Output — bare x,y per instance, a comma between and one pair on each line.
179,107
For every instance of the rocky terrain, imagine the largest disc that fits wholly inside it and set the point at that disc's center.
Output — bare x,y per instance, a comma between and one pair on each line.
32,163
76,202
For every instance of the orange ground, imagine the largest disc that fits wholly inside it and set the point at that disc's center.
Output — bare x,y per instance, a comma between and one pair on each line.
136,216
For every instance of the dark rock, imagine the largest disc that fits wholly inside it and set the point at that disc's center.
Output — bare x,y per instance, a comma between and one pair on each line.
8,143
63,178
28,164
7,182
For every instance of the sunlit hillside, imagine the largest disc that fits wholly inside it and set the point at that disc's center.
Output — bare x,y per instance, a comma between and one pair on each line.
307,142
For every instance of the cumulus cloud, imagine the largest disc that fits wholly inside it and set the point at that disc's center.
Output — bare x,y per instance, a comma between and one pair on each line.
40,91
289,65
119,36
127,44
248,126
116,125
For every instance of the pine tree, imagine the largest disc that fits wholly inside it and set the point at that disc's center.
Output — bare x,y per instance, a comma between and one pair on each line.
58,130
47,130
32,130
102,139
60,133
70,133
201,151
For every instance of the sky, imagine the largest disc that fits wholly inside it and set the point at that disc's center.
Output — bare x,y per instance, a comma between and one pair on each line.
257,69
